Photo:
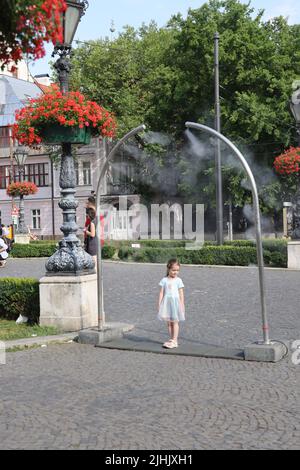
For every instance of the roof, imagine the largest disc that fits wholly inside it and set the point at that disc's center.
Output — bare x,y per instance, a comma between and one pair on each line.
44,88
13,95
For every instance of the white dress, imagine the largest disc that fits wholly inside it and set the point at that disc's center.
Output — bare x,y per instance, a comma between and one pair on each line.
3,254
171,308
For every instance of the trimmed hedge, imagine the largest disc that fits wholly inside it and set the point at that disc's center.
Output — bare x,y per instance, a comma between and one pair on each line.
19,296
209,255
43,250
236,253
33,251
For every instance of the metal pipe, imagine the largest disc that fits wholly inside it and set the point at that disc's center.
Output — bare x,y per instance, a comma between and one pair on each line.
101,313
21,228
218,171
259,247
52,198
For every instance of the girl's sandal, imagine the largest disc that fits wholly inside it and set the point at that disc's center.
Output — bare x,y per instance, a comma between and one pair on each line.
171,344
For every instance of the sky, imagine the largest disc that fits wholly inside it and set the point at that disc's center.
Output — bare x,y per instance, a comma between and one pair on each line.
97,21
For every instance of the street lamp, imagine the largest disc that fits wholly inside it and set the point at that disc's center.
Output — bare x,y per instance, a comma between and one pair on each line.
295,109
20,156
70,258
71,18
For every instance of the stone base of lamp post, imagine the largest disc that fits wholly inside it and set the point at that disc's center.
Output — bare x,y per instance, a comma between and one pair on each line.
22,238
294,254
69,302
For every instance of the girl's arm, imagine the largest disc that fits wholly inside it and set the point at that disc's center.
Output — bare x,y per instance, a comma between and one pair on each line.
181,296
161,296
92,233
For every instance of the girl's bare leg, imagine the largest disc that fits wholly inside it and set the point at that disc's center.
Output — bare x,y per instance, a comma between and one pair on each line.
175,331
170,329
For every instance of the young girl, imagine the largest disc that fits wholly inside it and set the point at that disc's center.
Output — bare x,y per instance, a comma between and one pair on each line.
171,302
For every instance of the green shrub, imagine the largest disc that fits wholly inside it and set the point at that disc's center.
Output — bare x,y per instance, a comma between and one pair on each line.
108,251
209,255
275,259
19,296
33,250
43,250
43,242
162,243
235,253
125,252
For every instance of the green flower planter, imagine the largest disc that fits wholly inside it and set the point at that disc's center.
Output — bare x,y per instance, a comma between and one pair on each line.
56,134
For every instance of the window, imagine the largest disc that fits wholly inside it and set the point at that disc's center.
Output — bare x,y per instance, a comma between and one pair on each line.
77,173
37,173
83,173
36,218
4,137
87,177
2,177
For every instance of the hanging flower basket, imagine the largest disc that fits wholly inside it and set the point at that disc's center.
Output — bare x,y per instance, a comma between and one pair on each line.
54,118
21,189
288,162
56,134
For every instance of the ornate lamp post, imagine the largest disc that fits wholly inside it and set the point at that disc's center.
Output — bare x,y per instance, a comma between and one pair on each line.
295,109
70,259
20,156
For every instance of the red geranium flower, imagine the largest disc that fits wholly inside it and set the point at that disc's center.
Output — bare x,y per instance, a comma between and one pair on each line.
30,26
288,162
21,189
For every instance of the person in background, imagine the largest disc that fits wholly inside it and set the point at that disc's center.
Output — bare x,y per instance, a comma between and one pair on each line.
90,234
5,231
3,250
91,204
5,237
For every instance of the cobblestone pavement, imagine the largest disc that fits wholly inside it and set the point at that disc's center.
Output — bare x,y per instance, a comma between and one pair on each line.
222,304
79,397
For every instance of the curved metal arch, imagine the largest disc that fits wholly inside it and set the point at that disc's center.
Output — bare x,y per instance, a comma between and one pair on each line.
101,313
259,248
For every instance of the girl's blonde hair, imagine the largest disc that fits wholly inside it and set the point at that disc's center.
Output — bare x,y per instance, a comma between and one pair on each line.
171,263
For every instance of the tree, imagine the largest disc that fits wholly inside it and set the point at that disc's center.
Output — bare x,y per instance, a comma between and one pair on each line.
121,74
